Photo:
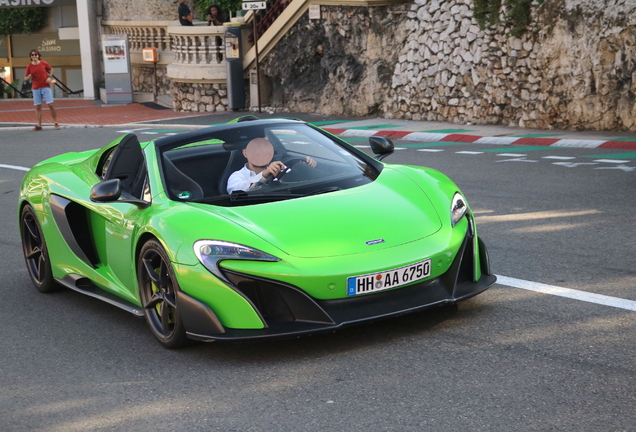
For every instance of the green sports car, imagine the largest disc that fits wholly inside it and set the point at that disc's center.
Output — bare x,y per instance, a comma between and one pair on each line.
250,230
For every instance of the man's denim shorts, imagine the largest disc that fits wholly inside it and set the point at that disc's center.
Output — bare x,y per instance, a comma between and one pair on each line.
42,93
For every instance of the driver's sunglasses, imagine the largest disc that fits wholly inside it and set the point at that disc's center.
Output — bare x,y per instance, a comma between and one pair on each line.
33,54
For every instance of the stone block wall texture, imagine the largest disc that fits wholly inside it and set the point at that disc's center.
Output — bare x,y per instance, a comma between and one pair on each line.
199,97
429,60
143,80
141,10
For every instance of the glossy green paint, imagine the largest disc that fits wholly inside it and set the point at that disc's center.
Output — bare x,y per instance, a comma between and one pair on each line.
320,240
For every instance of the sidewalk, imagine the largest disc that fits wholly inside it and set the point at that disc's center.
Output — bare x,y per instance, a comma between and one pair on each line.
82,113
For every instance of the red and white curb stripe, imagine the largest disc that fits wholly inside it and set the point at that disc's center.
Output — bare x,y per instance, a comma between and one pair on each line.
453,137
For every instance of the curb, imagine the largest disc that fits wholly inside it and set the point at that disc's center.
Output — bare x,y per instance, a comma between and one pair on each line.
451,137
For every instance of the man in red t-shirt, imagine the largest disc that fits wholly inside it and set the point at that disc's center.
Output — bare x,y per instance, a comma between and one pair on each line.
40,72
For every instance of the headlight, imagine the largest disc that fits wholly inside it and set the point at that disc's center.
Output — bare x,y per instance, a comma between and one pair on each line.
210,252
458,209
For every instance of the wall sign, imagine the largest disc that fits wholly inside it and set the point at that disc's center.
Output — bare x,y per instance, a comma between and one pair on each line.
4,4
314,11
49,45
115,54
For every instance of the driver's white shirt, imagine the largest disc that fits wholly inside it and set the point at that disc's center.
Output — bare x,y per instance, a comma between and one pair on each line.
242,180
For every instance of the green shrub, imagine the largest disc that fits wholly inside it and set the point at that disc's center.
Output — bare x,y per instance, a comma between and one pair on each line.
486,13
226,6
21,20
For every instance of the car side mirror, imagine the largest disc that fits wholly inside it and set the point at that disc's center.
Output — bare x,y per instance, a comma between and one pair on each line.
110,191
381,146
106,191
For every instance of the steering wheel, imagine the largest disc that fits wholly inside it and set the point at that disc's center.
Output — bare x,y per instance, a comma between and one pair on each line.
289,162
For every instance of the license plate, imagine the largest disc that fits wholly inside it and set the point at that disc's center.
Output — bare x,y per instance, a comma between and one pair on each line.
388,279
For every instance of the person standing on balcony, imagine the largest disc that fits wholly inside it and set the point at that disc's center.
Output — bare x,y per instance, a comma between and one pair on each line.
40,73
215,16
185,16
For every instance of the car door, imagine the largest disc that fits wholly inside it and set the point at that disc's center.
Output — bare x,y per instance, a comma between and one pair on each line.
114,223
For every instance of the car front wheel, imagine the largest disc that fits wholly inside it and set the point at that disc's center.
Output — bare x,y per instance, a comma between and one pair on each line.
158,290
36,253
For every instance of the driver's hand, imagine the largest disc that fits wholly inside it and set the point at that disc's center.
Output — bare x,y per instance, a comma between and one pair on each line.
309,161
273,169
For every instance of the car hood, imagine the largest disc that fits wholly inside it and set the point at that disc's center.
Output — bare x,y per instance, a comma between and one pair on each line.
390,211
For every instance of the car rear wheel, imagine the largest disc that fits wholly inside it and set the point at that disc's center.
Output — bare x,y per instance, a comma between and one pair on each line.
158,290
36,253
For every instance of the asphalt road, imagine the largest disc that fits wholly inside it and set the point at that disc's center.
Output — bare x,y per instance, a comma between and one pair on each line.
508,359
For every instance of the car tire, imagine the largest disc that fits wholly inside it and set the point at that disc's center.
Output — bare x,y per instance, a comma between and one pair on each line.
158,291
36,254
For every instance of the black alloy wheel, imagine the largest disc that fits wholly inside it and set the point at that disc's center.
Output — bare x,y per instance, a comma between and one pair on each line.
36,253
158,290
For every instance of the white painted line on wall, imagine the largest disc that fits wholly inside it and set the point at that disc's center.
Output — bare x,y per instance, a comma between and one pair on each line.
568,293
14,167
496,140
358,133
578,143
425,136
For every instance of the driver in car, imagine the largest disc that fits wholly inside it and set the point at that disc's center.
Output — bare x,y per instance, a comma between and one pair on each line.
259,167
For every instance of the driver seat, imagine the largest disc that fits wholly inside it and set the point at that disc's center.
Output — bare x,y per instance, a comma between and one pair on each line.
235,163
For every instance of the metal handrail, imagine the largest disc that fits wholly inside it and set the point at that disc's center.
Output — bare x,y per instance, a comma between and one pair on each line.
64,87
14,88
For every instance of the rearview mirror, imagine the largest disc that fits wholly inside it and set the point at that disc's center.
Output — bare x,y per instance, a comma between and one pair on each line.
110,191
381,146
106,191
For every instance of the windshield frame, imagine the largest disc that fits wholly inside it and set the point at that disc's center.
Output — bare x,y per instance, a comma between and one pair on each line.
247,131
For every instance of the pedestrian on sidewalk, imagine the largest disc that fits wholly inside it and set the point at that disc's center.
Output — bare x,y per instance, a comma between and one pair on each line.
40,73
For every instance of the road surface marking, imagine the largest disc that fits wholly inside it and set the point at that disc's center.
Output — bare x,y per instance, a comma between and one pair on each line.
616,161
14,167
568,293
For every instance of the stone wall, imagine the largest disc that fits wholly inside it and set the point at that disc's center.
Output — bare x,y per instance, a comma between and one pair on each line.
341,64
143,80
197,97
429,60
141,10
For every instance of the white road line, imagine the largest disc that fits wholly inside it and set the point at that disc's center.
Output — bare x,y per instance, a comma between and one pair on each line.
559,157
469,152
574,164
14,167
568,293
430,150
521,159
511,154
618,167
131,130
616,161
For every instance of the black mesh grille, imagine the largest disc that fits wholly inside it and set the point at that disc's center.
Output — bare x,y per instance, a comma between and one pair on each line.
265,296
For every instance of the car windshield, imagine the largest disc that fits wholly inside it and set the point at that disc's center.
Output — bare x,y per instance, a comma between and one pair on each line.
228,167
